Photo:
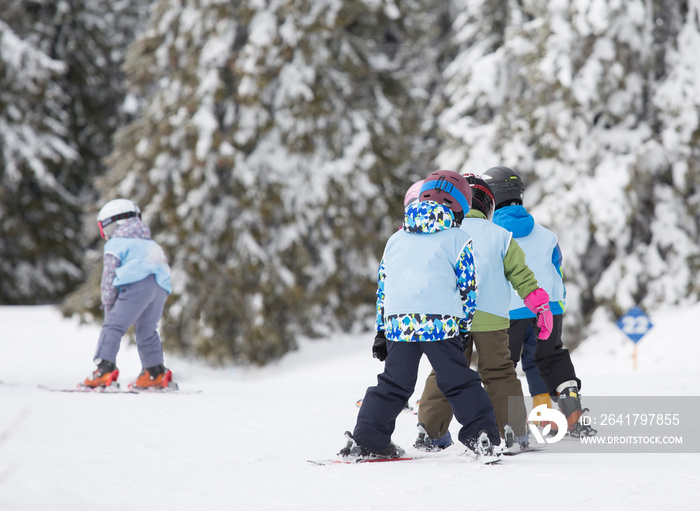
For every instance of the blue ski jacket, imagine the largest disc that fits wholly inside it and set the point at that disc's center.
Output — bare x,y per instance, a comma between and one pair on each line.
426,283
542,254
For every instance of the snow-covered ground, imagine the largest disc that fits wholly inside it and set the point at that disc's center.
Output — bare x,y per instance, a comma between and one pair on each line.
243,443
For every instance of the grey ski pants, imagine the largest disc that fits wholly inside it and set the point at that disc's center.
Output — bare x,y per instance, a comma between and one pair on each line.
139,304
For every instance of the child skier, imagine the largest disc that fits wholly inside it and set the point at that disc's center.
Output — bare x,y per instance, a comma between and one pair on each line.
426,297
544,257
135,285
500,263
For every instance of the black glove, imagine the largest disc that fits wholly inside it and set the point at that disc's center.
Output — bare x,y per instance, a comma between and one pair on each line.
466,339
379,348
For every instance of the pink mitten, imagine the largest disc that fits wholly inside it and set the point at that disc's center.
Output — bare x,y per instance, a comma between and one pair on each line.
538,303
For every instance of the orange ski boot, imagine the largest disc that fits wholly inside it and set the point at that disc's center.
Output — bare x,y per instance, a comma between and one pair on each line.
157,377
105,375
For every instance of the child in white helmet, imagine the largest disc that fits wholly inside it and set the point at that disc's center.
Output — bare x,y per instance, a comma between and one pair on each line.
135,285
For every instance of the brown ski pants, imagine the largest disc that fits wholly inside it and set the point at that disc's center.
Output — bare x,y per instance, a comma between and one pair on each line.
500,381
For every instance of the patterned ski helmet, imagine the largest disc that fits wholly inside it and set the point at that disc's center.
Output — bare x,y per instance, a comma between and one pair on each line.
412,193
116,210
482,196
506,184
449,188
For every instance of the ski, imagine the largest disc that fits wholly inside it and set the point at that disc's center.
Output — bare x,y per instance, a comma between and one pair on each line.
351,460
484,460
351,454
118,390
512,443
90,390
168,390
522,450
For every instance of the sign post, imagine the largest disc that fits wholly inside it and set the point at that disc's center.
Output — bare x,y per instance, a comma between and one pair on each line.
635,324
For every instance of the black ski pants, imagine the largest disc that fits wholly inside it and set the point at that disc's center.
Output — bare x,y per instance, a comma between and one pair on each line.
552,359
460,385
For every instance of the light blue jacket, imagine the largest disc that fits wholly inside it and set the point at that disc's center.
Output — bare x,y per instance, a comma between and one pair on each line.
542,254
426,283
490,243
139,258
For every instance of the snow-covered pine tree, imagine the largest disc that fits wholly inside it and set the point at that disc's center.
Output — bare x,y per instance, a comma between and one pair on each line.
660,260
273,147
75,98
89,37
573,98
475,84
40,252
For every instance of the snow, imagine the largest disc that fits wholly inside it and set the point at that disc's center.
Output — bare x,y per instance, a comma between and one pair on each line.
244,441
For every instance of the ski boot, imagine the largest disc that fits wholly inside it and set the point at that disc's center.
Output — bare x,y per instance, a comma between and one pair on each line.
425,443
569,403
483,445
351,448
105,375
354,450
580,430
482,449
156,377
513,444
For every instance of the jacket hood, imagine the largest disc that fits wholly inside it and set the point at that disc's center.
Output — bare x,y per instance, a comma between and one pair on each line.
475,213
132,228
427,217
516,219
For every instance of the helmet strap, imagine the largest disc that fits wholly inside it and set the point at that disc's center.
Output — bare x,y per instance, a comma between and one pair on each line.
122,216
510,202
443,185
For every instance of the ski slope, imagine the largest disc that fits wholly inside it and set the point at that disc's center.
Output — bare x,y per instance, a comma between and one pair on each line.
243,443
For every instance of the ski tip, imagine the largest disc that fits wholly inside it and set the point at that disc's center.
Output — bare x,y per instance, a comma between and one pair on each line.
351,460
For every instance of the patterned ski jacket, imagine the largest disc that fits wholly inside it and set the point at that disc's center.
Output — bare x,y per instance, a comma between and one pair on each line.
426,283
130,255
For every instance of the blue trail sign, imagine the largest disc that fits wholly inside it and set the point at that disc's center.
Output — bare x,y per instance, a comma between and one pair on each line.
635,324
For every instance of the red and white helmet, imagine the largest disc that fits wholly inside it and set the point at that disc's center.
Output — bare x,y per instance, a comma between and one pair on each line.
482,196
449,188
117,210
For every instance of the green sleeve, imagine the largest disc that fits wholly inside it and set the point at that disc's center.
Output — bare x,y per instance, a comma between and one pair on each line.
517,272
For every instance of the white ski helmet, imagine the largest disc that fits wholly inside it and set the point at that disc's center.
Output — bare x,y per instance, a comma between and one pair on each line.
116,210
